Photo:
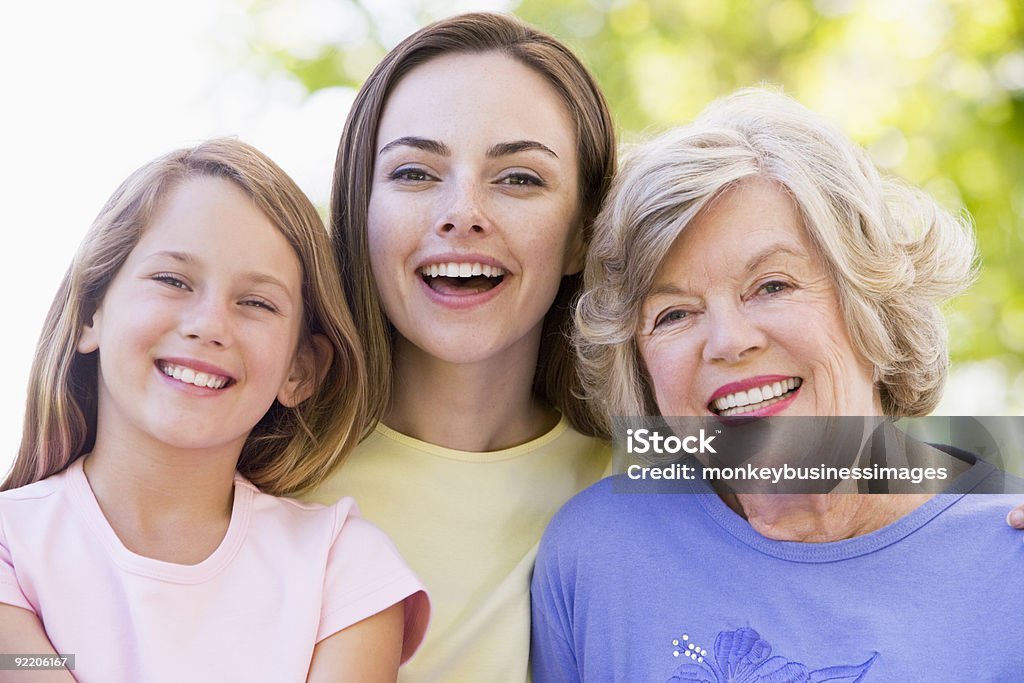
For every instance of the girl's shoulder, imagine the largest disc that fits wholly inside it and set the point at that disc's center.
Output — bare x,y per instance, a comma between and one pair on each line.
293,514
39,490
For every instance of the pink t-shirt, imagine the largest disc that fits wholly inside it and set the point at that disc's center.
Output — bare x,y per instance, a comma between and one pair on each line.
286,576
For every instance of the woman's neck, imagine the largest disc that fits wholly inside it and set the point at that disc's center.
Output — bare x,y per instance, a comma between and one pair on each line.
164,503
476,407
822,517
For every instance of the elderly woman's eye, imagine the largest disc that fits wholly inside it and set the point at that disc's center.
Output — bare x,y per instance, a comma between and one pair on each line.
774,287
670,317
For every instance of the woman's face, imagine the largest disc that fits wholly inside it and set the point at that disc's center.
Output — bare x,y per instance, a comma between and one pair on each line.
474,209
743,318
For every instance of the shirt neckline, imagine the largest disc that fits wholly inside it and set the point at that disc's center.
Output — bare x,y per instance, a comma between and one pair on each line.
241,508
472,456
848,548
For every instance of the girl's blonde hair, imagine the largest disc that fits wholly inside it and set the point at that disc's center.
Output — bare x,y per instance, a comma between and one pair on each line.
556,380
893,253
290,448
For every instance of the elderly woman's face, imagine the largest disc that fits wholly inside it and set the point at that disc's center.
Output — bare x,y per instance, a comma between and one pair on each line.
743,319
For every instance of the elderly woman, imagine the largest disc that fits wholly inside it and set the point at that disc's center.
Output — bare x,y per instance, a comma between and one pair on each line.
755,264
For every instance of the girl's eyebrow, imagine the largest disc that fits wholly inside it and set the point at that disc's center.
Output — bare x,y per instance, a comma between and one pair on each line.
436,147
254,277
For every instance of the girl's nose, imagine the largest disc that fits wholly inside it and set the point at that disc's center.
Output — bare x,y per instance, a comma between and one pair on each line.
207,321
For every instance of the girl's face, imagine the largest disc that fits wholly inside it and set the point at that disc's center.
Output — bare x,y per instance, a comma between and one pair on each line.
474,211
198,331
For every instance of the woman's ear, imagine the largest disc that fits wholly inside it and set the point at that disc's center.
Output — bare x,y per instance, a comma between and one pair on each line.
312,360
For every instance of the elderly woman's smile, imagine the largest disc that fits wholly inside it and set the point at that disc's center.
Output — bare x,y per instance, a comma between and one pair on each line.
744,320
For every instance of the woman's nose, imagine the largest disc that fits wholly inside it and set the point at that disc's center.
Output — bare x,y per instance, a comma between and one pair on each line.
462,211
733,335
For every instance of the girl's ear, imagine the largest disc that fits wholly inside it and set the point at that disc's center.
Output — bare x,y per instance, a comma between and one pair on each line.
89,337
309,367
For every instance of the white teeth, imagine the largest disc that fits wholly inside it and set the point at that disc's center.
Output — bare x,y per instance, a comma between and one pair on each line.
461,270
190,376
756,398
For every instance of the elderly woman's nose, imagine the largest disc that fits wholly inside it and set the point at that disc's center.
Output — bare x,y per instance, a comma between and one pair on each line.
462,209
732,335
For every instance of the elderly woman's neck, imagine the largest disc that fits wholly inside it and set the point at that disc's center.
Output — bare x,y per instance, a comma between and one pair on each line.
821,518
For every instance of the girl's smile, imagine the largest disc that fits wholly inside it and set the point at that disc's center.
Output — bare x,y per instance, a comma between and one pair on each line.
199,330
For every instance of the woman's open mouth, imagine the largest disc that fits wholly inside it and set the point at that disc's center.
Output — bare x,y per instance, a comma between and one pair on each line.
461,279
757,398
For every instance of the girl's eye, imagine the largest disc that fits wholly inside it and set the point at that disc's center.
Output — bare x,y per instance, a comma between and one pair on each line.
259,303
669,317
410,174
520,178
172,280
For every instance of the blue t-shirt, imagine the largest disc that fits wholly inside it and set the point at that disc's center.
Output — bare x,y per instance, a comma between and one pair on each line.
639,588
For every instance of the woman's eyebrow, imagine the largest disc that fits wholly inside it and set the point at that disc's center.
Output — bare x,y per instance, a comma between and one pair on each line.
425,144
505,148
771,252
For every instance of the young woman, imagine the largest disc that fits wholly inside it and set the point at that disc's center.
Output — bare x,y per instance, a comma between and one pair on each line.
471,166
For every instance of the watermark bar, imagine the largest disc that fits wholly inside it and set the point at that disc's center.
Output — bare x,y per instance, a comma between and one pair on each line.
30,662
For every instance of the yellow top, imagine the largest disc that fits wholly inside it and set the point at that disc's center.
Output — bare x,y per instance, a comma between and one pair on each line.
469,525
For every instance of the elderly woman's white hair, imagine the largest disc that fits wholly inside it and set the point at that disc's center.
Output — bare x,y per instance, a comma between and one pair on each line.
893,253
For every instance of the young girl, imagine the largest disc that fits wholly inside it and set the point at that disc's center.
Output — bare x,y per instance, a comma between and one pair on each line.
473,161
199,356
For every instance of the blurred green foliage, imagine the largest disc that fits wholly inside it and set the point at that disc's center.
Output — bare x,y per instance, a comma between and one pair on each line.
933,88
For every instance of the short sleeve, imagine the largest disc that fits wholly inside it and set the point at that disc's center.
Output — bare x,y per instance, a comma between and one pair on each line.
366,575
10,588
552,659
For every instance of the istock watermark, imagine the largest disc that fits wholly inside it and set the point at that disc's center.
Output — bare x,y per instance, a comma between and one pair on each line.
822,454
643,441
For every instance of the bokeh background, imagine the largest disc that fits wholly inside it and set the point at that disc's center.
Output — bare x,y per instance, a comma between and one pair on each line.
933,88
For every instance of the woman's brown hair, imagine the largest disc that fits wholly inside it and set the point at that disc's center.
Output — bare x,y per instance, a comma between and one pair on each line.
556,378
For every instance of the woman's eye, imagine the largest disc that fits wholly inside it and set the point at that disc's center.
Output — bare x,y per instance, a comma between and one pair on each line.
669,317
172,280
520,178
412,175
773,287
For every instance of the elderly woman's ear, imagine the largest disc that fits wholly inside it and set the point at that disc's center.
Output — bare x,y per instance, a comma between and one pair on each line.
1016,517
